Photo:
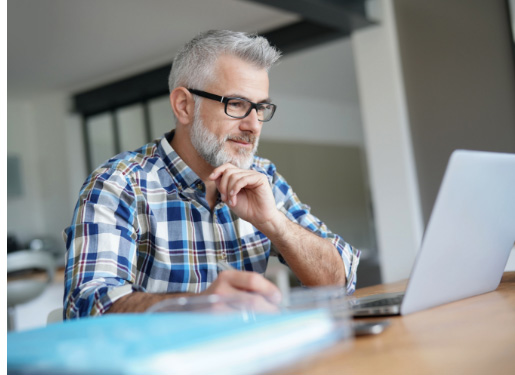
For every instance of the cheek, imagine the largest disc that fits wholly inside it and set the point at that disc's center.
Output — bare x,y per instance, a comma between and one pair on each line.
220,124
230,127
213,115
213,123
221,129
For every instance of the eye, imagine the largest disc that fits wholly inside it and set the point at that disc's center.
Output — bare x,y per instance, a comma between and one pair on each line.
235,104
262,107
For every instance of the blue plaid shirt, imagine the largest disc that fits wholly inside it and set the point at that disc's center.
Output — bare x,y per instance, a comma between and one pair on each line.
142,222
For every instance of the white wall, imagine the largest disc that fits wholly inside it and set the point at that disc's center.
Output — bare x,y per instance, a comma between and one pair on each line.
24,212
38,134
317,97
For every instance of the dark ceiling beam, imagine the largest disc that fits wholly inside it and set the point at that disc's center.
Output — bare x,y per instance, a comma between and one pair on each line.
302,35
132,90
344,15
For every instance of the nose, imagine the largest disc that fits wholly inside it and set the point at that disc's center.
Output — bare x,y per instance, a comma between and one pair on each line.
251,122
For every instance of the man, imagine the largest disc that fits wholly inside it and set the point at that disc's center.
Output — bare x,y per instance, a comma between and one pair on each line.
153,224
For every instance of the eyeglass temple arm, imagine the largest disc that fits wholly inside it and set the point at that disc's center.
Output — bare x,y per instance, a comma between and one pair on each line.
207,95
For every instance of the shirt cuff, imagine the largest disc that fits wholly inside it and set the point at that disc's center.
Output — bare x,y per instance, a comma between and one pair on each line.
350,257
102,304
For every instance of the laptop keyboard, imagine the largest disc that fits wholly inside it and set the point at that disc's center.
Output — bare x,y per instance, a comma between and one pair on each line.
383,302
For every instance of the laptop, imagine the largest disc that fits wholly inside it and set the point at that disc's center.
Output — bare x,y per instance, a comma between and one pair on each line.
467,241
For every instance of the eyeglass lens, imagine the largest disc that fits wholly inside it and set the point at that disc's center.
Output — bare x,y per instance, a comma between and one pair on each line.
241,108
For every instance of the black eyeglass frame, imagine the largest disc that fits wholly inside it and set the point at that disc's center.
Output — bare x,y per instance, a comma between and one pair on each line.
226,99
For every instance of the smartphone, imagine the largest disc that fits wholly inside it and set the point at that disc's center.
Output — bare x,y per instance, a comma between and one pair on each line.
369,328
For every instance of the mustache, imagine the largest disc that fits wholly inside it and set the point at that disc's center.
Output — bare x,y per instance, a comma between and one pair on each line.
247,138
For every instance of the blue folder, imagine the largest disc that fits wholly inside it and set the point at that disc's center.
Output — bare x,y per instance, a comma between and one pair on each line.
170,343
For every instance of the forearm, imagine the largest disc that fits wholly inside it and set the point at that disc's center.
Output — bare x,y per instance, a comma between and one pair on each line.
314,260
140,301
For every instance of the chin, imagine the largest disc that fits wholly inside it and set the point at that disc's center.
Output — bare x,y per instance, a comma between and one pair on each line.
243,163
242,158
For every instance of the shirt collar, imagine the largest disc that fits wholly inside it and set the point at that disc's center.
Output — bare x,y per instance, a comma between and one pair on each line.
181,172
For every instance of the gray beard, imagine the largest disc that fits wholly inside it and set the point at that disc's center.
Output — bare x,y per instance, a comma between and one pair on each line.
212,149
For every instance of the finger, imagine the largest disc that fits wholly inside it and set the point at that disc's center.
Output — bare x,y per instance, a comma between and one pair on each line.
217,172
251,282
227,180
245,180
235,182
253,182
221,182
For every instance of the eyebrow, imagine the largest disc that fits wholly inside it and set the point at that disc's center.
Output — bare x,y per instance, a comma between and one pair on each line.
267,100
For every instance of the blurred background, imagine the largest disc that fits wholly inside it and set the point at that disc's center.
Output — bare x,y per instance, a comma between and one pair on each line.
373,96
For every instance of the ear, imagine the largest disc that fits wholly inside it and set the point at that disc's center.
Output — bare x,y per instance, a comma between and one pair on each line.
183,105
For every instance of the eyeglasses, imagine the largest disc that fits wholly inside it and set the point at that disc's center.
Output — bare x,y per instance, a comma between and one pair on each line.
239,107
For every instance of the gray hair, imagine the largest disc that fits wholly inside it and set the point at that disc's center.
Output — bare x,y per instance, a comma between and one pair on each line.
194,64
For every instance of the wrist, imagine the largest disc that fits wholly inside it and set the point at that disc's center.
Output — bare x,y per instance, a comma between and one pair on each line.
274,227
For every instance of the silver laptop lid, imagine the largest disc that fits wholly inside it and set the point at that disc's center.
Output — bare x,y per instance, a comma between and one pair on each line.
470,233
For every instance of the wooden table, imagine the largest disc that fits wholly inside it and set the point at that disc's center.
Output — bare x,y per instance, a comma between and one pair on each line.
472,336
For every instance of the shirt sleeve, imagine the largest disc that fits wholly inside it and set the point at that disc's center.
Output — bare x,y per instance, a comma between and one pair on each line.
288,203
101,245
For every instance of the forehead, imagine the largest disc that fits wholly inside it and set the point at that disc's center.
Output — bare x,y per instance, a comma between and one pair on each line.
234,76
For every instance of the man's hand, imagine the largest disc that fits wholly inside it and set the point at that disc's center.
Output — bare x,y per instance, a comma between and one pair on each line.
248,193
246,289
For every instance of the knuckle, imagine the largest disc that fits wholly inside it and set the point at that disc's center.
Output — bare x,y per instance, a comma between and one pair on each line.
222,278
232,178
254,281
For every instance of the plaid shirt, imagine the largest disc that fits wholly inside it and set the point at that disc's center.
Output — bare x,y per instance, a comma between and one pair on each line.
142,222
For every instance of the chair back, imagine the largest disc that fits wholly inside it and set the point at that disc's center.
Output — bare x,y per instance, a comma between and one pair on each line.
24,289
